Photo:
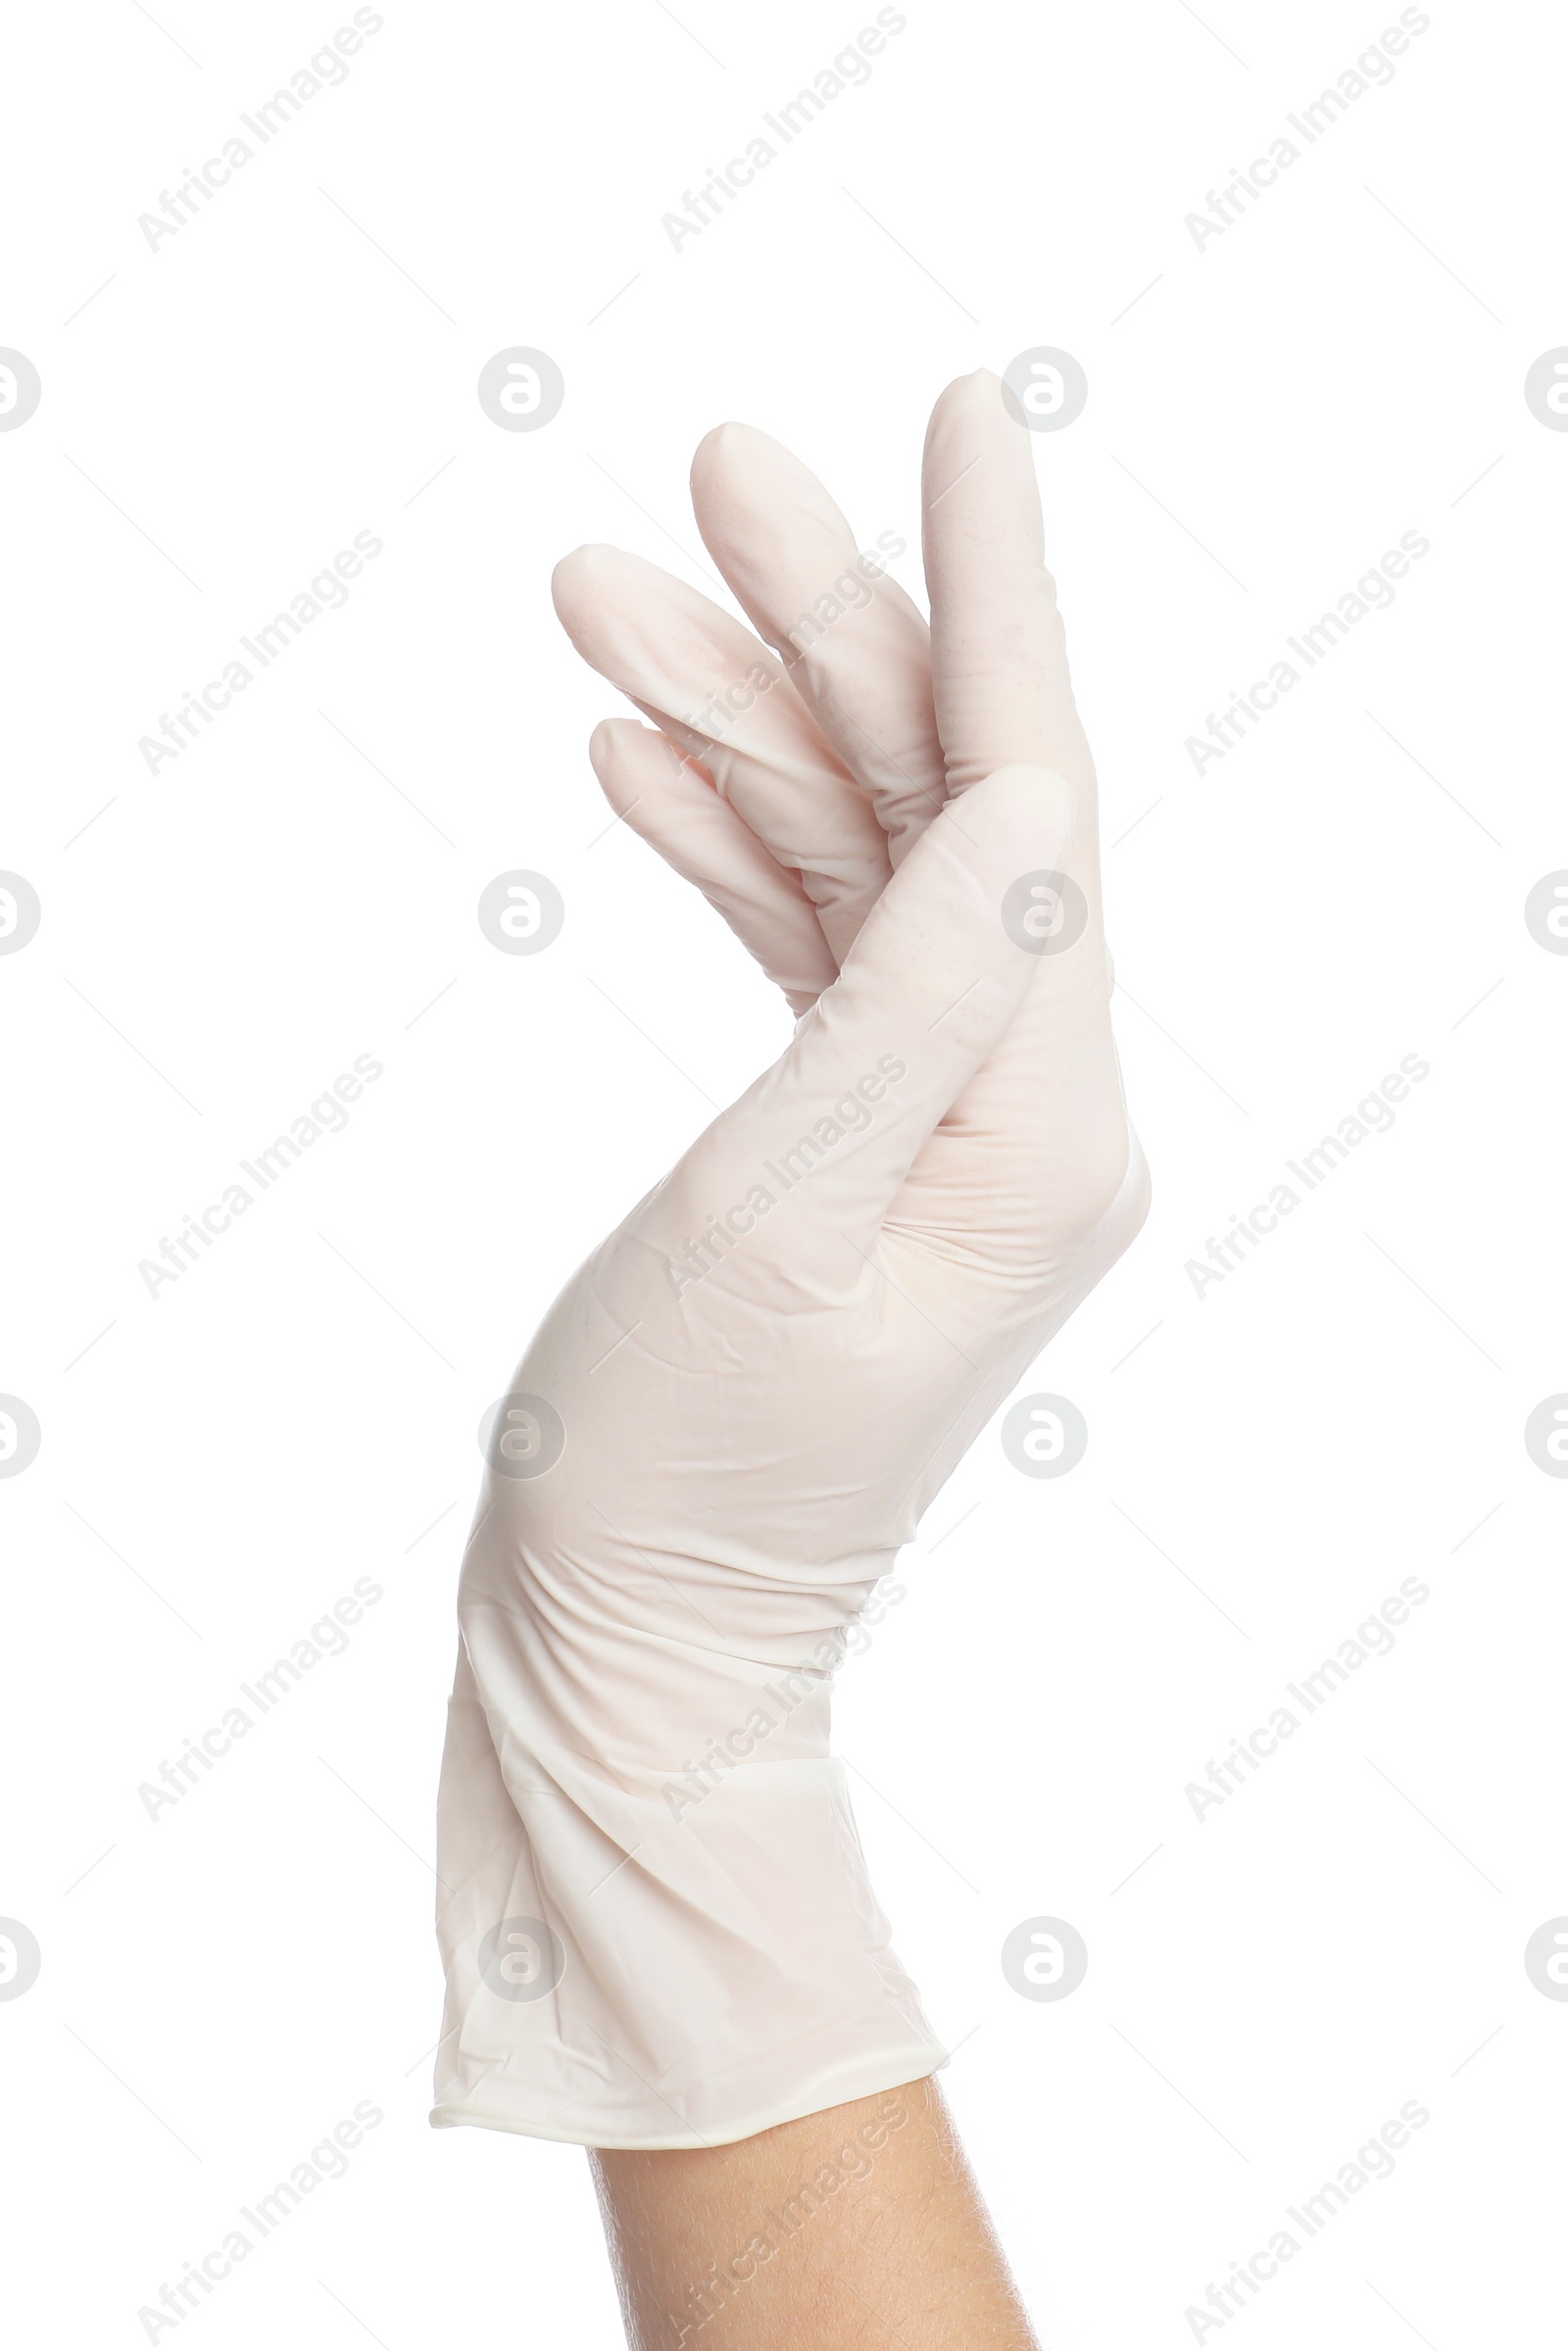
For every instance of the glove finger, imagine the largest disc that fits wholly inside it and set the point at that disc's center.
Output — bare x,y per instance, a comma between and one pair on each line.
812,1156
719,695
1052,1090
856,649
999,650
671,803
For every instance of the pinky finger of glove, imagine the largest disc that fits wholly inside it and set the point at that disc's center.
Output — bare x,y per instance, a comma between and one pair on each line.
666,799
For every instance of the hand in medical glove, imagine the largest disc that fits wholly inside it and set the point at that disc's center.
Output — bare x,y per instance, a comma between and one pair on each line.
738,1409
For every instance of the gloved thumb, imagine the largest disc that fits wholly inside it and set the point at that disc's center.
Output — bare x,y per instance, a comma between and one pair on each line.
929,987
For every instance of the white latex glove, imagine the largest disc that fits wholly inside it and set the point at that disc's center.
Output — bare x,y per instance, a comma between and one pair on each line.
656,1918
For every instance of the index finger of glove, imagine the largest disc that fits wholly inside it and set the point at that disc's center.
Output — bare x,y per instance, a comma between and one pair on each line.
999,651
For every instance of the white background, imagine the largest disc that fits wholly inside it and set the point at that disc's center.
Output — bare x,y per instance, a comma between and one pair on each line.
299,1409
